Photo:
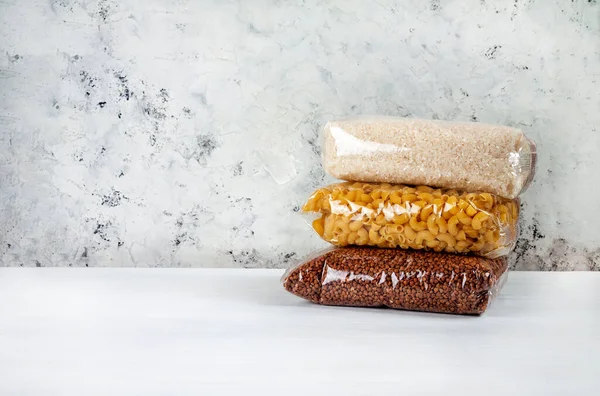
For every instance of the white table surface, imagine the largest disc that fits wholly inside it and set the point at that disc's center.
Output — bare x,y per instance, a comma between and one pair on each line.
67,331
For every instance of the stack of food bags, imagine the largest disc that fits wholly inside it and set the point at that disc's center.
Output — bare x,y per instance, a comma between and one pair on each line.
425,220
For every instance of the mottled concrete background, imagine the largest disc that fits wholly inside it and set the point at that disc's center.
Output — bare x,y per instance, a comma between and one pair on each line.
185,133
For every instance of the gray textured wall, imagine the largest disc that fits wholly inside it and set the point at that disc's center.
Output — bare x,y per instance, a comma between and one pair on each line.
184,133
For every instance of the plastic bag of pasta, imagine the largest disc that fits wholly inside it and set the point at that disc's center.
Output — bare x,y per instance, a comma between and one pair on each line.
403,279
468,156
398,216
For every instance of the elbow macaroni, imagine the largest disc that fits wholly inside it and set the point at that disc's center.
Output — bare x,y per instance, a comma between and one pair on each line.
398,216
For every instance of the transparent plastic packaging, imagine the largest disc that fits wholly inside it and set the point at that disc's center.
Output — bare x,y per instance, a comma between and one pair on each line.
402,279
467,156
398,216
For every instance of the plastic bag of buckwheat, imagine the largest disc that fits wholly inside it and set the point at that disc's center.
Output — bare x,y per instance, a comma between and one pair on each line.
402,279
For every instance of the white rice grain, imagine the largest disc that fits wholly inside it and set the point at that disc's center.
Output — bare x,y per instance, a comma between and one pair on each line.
466,156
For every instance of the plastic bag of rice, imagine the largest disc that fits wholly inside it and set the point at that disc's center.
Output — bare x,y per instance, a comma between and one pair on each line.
467,156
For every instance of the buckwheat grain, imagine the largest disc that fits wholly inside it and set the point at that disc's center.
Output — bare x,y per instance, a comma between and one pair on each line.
402,279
